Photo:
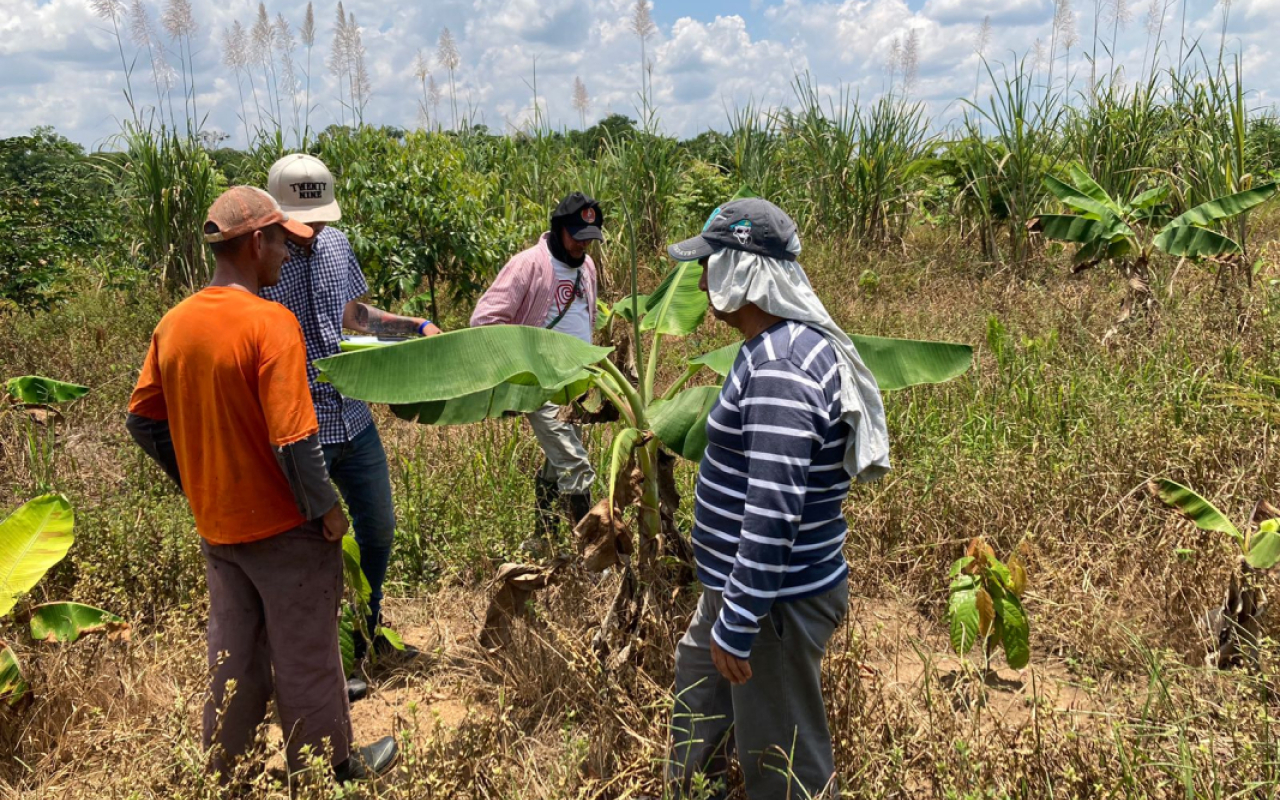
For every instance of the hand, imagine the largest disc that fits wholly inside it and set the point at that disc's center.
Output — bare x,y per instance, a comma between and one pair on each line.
431,330
736,670
335,524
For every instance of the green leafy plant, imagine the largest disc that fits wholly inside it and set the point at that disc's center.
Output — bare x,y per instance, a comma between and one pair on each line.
1127,234
985,605
353,621
487,372
33,539
34,399
1236,625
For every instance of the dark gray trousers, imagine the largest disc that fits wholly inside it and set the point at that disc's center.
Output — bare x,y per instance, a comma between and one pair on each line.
776,721
273,608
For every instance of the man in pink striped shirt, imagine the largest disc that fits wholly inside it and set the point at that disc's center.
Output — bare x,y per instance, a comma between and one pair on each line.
553,285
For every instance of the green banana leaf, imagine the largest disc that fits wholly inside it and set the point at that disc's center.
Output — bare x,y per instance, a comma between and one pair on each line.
1150,198
1075,198
464,365
491,403
1263,551
719,361
1190,241
66,622
901,363
677,307
681,422
895,363
12,685
32,539
962,614
1194,507
1091,189
1081,230
620,455
1225,207
44,391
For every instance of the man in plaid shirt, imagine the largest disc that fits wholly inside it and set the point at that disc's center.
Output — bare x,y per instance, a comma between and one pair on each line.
321,284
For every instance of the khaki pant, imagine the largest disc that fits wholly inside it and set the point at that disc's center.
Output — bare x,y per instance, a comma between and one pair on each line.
273,608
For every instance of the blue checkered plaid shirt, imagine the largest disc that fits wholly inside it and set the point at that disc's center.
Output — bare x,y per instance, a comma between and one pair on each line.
316,288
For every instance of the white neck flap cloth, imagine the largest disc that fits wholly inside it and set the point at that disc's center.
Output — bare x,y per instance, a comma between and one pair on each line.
736,278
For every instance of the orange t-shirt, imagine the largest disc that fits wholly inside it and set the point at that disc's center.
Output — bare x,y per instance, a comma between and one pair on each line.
228,370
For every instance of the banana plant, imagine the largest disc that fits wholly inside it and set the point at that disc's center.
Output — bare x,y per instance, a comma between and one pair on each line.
985,605
1235,626
1127,234
33,539
468,375
36,398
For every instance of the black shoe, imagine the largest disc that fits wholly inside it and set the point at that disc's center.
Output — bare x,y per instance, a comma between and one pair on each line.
579,507
357,689
368,761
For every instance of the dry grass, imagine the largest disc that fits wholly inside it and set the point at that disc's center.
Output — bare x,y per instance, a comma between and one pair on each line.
1042,445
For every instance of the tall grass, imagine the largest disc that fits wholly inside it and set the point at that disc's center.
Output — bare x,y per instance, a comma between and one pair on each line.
167,182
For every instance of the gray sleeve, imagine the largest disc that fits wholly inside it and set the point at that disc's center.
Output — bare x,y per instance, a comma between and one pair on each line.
153,436
303,465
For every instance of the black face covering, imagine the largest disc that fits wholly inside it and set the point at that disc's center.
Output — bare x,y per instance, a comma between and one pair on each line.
556,243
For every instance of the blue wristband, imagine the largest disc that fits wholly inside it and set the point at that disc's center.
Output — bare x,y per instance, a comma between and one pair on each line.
423,326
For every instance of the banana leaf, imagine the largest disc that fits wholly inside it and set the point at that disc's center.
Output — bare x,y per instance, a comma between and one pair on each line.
467,367
32,539
1081,230
12,685
492,403
895,363
1087,186
681,422
677,307
1225,207
901,363
66,622
1263,551
719,361
44,391
1190,241
1075,198
620,454
1194,507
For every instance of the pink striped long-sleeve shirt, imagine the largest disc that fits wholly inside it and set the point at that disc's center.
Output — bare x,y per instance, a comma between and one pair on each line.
521,294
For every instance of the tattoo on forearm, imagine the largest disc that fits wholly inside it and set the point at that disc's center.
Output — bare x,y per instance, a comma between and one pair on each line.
377,321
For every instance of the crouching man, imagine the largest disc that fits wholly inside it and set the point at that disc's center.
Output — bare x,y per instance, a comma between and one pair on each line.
223,405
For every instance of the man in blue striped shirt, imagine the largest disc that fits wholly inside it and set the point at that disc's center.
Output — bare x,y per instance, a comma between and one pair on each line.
769,530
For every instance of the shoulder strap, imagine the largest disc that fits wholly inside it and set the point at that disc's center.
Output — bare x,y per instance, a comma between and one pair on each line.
577,287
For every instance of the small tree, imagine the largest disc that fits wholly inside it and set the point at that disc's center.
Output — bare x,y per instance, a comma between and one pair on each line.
986,605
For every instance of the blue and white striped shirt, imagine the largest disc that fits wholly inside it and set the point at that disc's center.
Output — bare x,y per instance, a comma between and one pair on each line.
316,288
768,524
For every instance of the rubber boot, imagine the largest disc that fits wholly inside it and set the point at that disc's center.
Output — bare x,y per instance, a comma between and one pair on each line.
579,507
547,499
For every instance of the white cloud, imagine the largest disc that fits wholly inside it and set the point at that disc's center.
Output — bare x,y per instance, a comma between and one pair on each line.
59,64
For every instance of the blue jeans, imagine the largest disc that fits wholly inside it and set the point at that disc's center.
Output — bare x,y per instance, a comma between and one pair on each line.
359,468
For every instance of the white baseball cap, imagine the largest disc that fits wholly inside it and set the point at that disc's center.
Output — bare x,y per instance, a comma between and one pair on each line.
303,186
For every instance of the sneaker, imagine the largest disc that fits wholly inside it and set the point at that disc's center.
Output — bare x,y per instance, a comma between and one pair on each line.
368,761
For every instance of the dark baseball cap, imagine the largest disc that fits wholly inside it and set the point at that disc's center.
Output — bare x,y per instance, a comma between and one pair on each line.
580,215
751,224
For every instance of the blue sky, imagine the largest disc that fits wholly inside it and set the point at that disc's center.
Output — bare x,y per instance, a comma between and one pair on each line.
60,66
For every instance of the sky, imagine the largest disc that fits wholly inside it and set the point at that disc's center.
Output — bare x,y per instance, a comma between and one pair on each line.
61,64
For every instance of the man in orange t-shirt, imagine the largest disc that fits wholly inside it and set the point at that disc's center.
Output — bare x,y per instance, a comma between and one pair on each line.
223,405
